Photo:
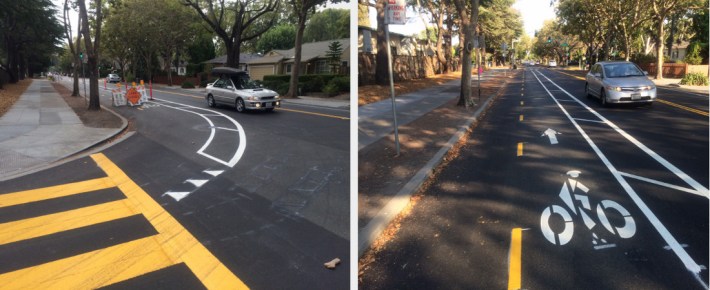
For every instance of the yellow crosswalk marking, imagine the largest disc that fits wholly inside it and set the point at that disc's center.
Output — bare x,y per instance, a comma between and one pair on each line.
63,221
175,241
33,195
93,269
172,245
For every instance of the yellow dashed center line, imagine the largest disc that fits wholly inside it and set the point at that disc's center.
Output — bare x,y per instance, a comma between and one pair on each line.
516,251
520,148
521,118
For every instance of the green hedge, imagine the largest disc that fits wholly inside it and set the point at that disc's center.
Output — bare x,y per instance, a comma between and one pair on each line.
187,85
306,83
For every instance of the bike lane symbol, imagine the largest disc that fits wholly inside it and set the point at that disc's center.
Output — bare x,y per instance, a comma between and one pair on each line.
569,195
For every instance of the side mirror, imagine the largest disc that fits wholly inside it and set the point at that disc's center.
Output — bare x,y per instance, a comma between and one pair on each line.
597,75
645,73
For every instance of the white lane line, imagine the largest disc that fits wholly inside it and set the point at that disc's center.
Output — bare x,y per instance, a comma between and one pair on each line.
661,183
242,137
563,100
696,185
587,120
227,129
689,263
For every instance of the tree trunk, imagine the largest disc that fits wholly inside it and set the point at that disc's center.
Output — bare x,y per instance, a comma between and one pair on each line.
440,55
468,24
75,74
381,73
659,50
293,83
233,51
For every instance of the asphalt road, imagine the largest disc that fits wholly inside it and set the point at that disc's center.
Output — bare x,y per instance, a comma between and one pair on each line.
267,194
614,198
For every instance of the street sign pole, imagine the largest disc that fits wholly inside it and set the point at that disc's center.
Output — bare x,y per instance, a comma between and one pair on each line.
395,14
394,104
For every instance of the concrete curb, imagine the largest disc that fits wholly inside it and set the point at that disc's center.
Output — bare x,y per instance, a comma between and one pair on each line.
379,223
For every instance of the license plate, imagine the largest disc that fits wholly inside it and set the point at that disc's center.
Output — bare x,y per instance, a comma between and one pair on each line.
635,96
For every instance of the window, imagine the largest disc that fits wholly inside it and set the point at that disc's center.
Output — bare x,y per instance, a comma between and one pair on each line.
321,66
288,68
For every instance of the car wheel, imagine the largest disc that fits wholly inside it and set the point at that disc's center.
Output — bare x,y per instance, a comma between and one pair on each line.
240,106
602,98
210,101
586,91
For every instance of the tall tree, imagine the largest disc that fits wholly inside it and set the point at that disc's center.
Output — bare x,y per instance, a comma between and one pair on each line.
469,21
328,24
75,50
282,36
234,29
92,49
303,9
662,9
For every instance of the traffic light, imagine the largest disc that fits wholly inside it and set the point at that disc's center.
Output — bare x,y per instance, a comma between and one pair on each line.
549,39
81,55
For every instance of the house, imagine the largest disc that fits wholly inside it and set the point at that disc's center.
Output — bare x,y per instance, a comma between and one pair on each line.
244,58
313,60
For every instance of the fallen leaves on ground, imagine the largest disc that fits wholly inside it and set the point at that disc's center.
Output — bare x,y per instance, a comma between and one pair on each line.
375,93
11,93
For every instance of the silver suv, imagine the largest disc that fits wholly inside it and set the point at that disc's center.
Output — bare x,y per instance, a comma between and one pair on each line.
113,78
235,88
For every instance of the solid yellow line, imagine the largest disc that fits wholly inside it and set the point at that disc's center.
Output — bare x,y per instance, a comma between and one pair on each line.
516,250
33,195
175,241
679,106
281,109
93,269
574,76
316,114
520,149
521,118
58,222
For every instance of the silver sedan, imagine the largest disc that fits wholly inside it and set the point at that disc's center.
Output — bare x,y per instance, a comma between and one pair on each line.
619,82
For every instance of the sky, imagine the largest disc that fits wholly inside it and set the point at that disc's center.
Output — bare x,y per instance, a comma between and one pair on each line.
534,13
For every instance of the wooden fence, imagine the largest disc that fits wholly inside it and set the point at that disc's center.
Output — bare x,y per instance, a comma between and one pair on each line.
405,67
670,70
177,80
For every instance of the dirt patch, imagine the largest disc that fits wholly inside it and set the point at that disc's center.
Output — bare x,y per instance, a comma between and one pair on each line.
11,93
375,93
94,119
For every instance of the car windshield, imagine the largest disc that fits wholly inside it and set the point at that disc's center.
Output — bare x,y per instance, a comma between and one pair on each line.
622,70
243,82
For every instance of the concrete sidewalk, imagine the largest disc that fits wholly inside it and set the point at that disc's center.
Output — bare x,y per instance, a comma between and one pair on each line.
376,122
40,129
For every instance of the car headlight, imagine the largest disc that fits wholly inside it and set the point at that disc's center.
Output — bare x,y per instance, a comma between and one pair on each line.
277,97
613,88
251,98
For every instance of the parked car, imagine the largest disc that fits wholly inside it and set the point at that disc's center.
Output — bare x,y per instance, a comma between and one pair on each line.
552,63
235,88
619,82
113,78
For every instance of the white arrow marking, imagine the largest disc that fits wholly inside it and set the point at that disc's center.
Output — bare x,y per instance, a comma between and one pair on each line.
551,134
177,195
197,182
213,172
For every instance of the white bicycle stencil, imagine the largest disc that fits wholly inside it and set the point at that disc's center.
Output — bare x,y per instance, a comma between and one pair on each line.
569,196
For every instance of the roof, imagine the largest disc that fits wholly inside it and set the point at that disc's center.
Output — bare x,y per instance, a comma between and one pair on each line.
243,58
309,51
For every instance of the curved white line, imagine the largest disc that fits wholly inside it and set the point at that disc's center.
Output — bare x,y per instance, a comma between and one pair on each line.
242,137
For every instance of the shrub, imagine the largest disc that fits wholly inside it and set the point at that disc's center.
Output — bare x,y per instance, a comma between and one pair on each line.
342,83
331,89
694,79
693,56
282,89
187,85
